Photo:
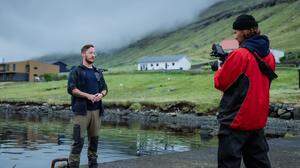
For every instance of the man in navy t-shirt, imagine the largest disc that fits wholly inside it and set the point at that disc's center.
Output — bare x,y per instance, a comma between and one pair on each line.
91,88
87,87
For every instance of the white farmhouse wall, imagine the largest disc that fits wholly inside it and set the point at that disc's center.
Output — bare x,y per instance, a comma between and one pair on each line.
182,64
277,54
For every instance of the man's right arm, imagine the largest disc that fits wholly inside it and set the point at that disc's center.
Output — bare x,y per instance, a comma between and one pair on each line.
72,87
72,81
76,92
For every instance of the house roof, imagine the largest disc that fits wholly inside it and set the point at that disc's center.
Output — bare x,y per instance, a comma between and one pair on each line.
25,61
165,58
59,62
230,44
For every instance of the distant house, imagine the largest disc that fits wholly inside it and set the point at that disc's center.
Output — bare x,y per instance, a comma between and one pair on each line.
62,66
277,54
25,70
229,45
167,62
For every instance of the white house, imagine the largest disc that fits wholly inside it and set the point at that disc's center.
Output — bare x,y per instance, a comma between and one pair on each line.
277,54
167,62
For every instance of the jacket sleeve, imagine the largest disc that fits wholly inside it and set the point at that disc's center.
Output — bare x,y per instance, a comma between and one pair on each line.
72,81
234,66
273,63
104,84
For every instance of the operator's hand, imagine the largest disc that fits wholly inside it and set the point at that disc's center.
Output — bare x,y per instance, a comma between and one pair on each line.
98,97
214,66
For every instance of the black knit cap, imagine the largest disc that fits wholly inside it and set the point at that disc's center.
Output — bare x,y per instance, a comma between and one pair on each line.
244,22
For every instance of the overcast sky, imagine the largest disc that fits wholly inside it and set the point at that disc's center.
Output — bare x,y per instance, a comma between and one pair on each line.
30,28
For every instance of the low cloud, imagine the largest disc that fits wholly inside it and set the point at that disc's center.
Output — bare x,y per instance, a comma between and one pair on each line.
31,28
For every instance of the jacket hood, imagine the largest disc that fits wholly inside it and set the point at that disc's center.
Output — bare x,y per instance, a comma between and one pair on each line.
259,44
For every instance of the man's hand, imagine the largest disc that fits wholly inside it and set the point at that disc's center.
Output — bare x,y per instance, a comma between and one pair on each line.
78,93
91,97
98,97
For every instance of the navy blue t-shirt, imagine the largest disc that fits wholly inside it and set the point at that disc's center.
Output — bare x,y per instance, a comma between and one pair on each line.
91,87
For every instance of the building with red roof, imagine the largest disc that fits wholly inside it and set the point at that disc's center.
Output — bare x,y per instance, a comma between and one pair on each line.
229,44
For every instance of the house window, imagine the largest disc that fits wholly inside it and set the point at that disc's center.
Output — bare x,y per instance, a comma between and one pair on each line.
152,65
14,67
173,63
35,68
156,64
35,75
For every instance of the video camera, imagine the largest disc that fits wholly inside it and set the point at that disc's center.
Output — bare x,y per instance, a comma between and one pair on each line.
217,51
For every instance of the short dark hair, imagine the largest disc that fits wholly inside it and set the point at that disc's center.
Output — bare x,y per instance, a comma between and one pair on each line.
86,47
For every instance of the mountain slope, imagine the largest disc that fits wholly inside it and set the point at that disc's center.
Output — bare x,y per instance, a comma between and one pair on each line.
277,19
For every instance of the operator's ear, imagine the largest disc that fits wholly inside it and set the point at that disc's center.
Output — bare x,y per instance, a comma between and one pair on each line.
246,33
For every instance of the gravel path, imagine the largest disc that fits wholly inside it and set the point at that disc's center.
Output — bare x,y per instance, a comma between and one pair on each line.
284,153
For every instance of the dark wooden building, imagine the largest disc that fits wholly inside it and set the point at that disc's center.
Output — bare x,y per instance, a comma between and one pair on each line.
62,66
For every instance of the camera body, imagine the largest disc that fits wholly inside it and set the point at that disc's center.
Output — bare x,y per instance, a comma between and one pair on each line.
218,52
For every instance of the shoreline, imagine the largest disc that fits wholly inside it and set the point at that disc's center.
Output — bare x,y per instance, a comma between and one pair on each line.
164,107
174,121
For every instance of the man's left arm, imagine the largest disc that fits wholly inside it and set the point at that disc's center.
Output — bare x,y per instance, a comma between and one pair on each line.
103,91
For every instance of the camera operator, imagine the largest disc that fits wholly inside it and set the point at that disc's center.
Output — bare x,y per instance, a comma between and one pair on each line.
245,77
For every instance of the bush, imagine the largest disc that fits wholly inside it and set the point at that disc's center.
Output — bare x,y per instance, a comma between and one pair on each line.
291,58
136,107
53,77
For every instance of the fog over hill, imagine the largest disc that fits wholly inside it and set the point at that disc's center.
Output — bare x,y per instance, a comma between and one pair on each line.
34,28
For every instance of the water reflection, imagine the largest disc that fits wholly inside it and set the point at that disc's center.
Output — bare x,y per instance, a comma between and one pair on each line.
34,142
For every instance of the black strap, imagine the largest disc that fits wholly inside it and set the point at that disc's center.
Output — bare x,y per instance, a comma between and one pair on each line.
264,67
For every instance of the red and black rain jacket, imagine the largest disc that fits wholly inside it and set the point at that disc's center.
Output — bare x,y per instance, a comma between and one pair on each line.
245,102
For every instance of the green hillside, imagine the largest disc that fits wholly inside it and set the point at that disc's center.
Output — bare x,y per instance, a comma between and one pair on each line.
277,19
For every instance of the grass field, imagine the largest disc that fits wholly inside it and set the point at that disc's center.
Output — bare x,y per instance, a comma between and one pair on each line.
157,89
